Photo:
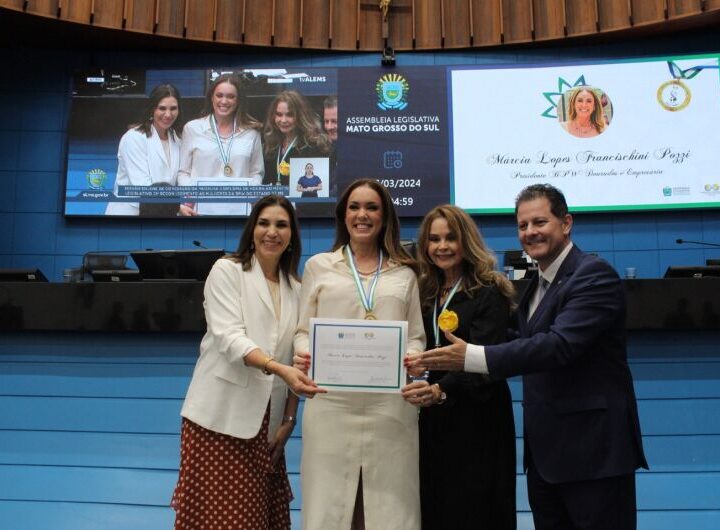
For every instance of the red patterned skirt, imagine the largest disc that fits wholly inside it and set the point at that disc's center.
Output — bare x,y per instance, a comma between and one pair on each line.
229,483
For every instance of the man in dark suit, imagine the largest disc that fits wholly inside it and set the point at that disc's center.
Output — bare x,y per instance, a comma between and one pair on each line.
581,429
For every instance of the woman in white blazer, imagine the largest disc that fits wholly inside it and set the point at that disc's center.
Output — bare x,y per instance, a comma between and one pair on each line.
222,145
237,414
149,152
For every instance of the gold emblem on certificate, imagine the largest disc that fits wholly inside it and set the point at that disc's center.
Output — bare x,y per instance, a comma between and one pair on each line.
448,320
227,170
673,95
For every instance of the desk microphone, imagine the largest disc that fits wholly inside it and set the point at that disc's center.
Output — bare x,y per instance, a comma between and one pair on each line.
703,243
199,244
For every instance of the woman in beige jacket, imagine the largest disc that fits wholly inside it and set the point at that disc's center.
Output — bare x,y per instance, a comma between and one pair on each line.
360,450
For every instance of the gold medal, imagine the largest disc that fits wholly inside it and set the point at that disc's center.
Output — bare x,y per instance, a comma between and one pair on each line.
448,320
284,169
369,315
673,95
228,170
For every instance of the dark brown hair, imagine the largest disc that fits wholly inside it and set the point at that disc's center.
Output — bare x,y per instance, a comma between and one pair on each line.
558,204
246,249
389,238
159,93
241,111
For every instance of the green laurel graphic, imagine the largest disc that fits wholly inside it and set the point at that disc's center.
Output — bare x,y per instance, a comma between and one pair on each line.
553,97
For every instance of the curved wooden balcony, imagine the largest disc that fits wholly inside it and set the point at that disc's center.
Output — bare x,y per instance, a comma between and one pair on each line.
350,25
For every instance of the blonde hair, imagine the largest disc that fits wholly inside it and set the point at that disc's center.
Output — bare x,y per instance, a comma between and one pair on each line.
307,125
478,261
596,118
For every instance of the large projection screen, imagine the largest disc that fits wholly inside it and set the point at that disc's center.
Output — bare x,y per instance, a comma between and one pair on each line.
391,126
656,145
614,136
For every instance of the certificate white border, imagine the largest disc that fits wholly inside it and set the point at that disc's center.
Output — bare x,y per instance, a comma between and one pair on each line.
345,323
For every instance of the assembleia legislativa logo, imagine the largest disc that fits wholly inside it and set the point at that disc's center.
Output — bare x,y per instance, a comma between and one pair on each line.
96,178
392,90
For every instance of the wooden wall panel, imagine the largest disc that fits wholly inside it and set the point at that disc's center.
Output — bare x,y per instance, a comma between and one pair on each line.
613,14
45,8
344,24
679,8
258,21
108,13
456,23
16,5
487,27
401,27
170,17
428,24
517,20
358,24
140,15
229,21
286,30
581,16
648,11
76,10
370,34
315,30
199,19
549,19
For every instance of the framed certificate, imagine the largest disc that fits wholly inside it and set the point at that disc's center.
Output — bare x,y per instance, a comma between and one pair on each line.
358,355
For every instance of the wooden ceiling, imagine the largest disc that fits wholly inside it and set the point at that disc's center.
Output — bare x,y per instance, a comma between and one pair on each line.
350,25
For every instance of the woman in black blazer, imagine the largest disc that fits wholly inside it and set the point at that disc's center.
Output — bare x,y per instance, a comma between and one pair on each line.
467,433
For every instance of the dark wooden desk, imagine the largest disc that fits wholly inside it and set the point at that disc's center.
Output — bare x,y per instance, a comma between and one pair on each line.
672,304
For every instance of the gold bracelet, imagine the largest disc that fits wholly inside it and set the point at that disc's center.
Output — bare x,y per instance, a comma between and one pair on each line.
265,366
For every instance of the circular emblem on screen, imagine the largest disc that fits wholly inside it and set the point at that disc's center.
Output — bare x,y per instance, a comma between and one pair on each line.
392,92
96,178
584,111
673,95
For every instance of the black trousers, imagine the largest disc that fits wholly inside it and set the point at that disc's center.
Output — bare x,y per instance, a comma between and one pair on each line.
600,504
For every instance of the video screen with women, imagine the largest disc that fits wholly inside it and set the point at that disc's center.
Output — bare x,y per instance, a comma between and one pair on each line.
188,143
194,143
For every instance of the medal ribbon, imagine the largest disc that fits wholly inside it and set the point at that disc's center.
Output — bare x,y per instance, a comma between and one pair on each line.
688,73
281,160
225,157
366,299
436,326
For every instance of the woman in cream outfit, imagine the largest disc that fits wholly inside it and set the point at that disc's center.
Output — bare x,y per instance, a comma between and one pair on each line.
223,144
237,415
360,450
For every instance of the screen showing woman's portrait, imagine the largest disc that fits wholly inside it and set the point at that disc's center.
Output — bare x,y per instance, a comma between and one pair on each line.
585,111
